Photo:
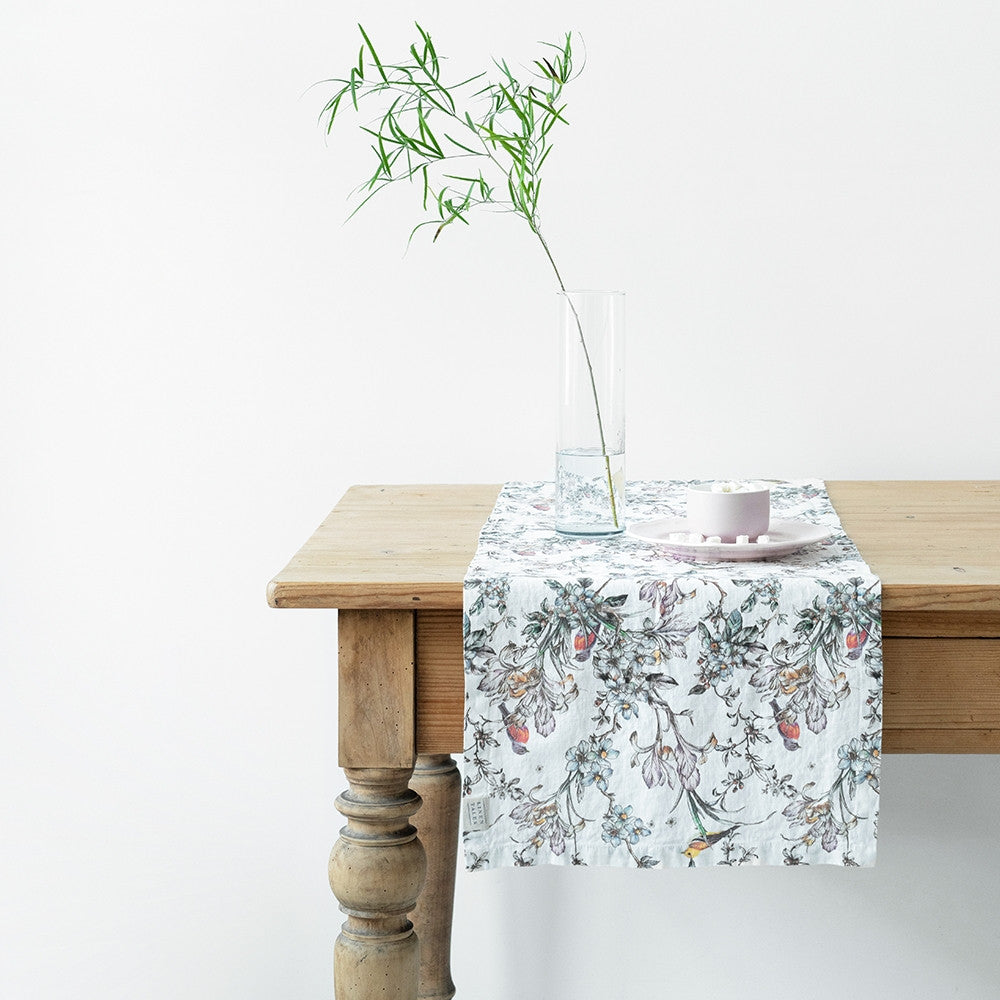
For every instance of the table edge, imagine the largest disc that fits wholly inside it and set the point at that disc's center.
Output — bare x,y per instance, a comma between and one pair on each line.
287,591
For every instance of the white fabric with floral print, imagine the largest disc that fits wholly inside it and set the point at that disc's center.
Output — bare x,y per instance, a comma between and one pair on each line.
626,707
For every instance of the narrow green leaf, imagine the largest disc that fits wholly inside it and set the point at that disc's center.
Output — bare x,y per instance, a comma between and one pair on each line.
411,142
429,49
513,104
371,49
367,199
549,110
394,156
426,134
505,142
379,135
385,160
529,113
455,142
331,109
428,96
420,121
389,121
354,91
505,69
419,225
510,149
510,188
547,125
471,79
422,64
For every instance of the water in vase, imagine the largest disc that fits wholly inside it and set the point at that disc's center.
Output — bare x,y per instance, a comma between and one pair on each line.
583,497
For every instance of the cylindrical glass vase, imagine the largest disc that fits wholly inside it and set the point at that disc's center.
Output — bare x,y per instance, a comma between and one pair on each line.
590,444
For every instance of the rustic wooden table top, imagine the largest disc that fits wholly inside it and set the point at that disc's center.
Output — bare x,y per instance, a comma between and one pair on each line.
934,544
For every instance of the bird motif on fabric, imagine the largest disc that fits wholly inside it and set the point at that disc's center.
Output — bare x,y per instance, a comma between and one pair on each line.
703,842
788,726
517,732
856,643
583,643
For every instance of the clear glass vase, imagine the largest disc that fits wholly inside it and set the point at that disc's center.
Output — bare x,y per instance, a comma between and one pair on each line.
590,445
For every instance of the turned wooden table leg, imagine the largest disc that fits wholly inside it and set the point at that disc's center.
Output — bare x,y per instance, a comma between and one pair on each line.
378,865
377,870
439,785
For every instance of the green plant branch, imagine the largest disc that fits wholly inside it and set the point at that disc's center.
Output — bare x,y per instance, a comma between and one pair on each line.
514,127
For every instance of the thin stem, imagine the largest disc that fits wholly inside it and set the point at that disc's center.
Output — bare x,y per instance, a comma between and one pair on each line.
590,371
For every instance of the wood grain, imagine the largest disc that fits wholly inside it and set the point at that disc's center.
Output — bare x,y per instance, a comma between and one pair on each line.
437,781
440,682
958,624
388,547
944,741
377,869
941,684
377,689
935,545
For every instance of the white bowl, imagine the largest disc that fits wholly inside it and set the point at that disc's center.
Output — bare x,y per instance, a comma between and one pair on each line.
745,510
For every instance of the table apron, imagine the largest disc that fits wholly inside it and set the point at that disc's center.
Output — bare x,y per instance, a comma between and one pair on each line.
941,694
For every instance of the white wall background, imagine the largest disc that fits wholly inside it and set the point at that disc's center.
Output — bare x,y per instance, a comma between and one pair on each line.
198,358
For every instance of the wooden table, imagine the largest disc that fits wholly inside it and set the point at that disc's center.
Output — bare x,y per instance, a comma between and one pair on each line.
392,559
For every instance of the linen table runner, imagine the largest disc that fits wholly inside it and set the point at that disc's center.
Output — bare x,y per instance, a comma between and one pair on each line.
626,707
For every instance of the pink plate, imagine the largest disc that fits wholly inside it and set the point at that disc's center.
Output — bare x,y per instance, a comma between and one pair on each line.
785,537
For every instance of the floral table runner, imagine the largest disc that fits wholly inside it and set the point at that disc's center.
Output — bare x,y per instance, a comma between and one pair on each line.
625,707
